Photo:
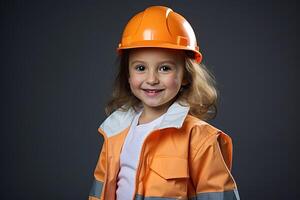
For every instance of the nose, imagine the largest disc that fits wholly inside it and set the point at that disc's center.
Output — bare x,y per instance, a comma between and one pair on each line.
152,78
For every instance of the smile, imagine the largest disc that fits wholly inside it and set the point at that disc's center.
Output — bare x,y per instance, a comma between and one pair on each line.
152,92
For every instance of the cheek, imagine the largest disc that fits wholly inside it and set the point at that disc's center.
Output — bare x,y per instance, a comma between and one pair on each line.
135,81
173,82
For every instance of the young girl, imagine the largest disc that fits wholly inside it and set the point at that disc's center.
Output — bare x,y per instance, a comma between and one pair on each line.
156,142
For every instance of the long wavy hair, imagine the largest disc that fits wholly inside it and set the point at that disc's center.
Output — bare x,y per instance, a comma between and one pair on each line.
200,93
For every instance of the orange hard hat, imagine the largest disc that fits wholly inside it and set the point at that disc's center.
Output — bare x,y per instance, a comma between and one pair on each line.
159,26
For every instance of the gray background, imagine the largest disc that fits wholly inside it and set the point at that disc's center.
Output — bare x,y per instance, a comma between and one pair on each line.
57,68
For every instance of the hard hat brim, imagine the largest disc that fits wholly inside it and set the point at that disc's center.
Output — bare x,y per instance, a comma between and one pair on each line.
160,44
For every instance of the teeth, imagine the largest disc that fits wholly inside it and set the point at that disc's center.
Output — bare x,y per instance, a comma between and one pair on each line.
152,91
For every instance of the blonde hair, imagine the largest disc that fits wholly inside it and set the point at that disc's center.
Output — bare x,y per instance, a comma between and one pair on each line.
199,93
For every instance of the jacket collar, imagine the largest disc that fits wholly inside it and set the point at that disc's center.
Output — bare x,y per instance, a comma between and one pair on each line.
120,120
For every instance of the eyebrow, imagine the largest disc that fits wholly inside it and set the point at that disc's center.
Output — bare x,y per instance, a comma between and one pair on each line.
165,61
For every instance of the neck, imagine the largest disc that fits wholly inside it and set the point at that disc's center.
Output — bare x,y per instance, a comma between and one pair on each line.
150,113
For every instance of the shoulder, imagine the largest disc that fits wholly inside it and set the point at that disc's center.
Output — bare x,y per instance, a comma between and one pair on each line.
199,127
204,134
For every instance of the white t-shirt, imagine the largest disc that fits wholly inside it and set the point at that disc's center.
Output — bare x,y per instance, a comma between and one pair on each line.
130,156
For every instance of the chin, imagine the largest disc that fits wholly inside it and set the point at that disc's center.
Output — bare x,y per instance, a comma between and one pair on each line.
152,104
155,104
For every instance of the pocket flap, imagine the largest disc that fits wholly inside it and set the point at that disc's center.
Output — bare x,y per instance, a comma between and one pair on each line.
170,167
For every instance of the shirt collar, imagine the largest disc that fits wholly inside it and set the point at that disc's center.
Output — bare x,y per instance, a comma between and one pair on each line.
120,120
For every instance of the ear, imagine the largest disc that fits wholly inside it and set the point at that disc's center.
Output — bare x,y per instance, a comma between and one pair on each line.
184,82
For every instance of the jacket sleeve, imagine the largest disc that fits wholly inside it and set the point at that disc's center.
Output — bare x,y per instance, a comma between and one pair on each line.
99,176
210,166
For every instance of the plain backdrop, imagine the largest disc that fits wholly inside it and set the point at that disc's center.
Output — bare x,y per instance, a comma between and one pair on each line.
58,66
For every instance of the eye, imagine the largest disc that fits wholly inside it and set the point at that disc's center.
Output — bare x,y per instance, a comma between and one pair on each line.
140,67
165,68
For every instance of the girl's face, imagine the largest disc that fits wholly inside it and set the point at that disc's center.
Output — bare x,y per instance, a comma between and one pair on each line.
156,75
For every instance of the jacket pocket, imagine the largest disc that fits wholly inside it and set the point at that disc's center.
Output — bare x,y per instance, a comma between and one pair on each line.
167,177
170,167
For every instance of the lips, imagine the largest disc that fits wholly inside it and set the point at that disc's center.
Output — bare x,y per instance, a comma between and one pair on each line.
152,92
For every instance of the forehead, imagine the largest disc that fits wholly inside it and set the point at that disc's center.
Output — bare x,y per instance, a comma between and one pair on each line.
155,54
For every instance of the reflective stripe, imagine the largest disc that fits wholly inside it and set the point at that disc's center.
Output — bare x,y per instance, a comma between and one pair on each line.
227,195
96,189
140,197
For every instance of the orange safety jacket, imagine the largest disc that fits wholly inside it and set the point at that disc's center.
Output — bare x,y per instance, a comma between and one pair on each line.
183,158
